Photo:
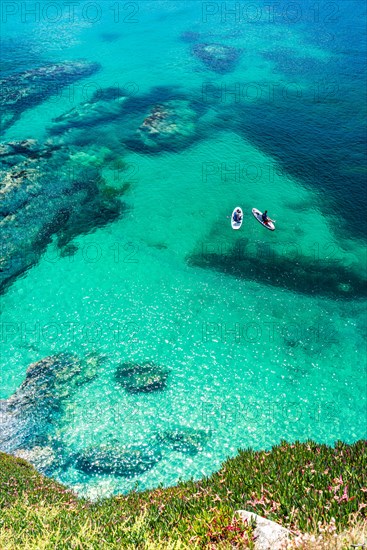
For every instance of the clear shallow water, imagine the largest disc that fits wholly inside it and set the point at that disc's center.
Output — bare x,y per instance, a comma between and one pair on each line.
254,356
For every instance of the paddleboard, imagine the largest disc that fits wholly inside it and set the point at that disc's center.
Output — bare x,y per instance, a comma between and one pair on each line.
236,225
258,215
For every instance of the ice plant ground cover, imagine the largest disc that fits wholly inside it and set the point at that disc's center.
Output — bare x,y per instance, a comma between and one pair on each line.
317,491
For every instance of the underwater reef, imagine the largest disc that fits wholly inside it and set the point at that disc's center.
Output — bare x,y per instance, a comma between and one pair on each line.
305,276
33,175
217,57
151,123
143,378
28,416
116,460
133,460
31,417
168,125
27,89
184,440
106,105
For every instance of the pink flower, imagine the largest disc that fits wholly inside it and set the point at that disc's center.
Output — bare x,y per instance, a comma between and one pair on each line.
344,496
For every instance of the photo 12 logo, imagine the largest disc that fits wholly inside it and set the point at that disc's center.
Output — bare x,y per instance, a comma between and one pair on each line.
321,91
249,412
236,171
88,252
251,332
270,12
69,12
70,332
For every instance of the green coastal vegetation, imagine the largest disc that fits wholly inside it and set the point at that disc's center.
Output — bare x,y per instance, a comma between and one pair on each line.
306,487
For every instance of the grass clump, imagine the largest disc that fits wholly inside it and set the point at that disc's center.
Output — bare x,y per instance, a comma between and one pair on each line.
314,490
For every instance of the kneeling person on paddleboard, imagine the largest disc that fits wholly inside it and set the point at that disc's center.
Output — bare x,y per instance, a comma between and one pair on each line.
237,215
265,217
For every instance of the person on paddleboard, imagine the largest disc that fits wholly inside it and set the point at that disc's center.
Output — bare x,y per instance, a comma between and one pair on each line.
237,215
265,217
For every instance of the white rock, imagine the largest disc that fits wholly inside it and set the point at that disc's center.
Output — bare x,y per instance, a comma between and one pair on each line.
40,457
268,534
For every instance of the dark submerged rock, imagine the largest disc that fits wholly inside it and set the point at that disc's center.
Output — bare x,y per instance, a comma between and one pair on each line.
28,147
105,106
116,460
144,378
17,186
190,36
168,125
44,459
151,122
26,89
109,36
73,191
159,246
68,250
184,440
217,57
304,276
112,192
28,416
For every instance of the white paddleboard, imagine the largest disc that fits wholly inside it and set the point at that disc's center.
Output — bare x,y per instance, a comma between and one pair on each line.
236,225
258,215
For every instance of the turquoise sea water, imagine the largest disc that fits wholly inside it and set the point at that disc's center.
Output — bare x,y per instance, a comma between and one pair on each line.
263,332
